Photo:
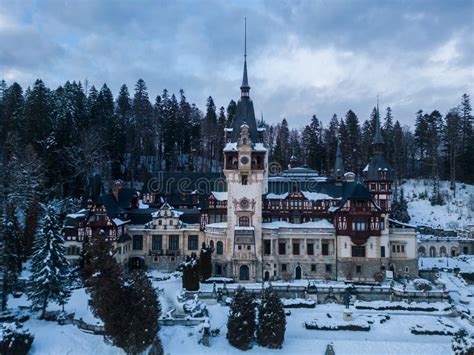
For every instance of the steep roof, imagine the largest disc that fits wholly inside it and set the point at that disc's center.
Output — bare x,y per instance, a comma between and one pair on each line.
245,115
377,164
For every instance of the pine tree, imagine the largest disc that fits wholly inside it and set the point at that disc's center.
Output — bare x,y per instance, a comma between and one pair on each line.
271,320
49,267
282,144
241,320
387,132
400,208
461,344
205,262
231,111
132,323
11,253
191,273
353,142
330,142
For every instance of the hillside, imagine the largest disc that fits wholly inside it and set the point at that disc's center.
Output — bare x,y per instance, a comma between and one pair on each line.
455,213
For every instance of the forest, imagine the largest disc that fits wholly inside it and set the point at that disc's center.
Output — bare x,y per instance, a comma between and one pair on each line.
56,142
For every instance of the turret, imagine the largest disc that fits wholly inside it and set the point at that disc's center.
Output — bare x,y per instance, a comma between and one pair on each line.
339,164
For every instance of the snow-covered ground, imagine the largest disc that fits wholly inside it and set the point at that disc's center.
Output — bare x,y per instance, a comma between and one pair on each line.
393,336
465,263
455,213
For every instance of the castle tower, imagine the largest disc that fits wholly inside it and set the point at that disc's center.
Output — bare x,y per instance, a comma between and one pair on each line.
245,169
378,174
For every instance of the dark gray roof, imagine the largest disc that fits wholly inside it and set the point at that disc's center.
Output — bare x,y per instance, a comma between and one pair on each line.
245,115
245,81
377,164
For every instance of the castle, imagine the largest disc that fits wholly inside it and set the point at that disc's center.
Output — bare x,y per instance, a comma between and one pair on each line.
261,224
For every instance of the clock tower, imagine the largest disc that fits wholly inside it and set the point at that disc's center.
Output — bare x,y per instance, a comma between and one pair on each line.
245,169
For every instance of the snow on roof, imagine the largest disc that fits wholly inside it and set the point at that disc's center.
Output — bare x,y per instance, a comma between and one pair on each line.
241,228
401,223
217,225
259,147
322,223
76,215
219,196
261,129
228,129
272,196
118,222
316,196
366,168
230,147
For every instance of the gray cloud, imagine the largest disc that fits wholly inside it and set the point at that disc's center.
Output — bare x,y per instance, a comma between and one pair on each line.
305,57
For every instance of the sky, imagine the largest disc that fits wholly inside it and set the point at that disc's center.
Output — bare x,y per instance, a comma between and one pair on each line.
304,57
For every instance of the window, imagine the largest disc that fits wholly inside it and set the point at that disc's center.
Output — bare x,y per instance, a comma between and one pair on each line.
173,242
296,248
358,251
407,269
244,221
325,248
328,267
359,224
382,224
393,248
156,242
267,247
193,242
283,267
211,244
282,248
382,252
310,249
398,248
138,242
249,247
359,269
373,186
239,247
402,248
245,179
220,248
313,267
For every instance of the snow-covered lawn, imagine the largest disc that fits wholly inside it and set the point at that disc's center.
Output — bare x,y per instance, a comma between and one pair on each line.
464,262
456,213
391,337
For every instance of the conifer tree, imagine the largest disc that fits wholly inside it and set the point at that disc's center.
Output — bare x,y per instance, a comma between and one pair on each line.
461,344
241,320
205,262
132,323
49,267
11,253
271,320
282,143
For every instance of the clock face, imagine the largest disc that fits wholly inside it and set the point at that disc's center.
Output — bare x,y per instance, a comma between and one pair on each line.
244,160
244,203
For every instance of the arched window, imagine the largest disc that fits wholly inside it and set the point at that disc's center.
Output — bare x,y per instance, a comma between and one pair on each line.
244,221
220,248
421,251
442,251
432,251
211,244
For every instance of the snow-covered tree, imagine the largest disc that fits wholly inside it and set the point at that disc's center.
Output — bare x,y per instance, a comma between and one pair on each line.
271,320
132,323
205,262
191,273
461,344
11,259
241,321
400,208
49,268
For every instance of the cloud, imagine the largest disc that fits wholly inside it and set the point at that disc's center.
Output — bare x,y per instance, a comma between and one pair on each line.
305,57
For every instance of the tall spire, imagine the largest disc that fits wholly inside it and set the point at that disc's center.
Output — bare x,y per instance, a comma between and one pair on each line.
378,138
339,166
245,88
